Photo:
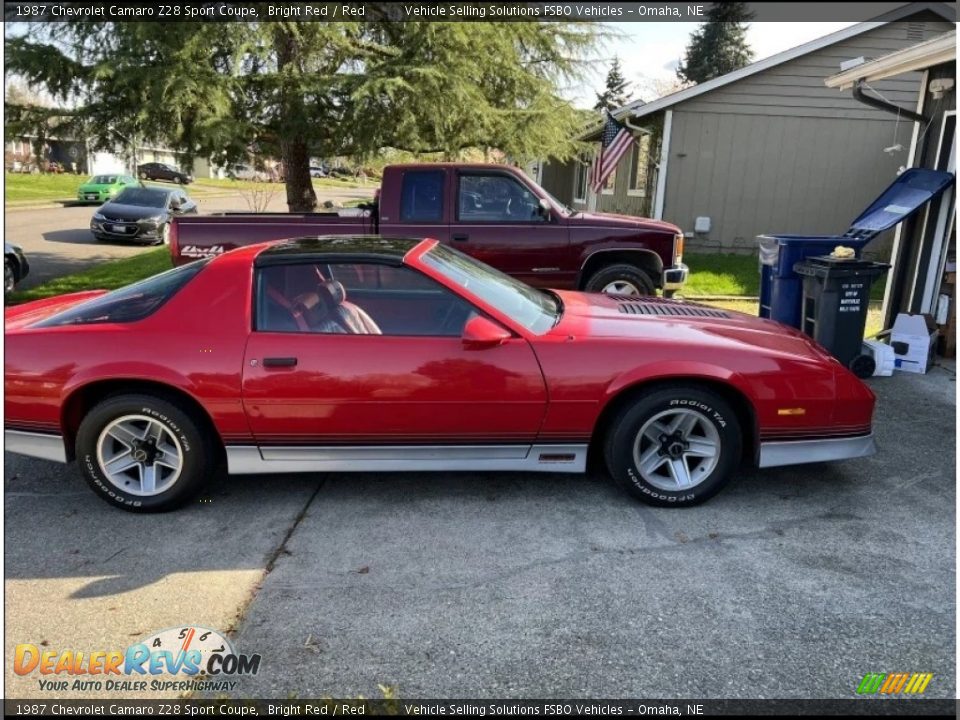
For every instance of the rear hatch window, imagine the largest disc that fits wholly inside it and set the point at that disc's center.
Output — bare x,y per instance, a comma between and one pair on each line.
130,303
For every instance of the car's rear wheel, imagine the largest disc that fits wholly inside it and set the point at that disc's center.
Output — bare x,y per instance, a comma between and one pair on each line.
678,445
181,181
144,453
621,279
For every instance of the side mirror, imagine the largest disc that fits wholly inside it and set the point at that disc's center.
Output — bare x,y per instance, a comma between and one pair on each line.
480,333
545,211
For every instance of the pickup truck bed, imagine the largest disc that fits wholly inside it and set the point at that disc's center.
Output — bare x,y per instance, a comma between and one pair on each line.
494,213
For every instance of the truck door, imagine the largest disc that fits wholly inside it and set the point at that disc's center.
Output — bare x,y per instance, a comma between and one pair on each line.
499,221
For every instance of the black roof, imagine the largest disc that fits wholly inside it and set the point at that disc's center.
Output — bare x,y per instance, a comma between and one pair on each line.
337,248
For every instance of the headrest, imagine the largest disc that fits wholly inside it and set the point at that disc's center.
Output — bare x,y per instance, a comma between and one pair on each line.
334,291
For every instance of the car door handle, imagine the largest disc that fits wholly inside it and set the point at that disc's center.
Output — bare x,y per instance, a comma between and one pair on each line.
460,237
280,362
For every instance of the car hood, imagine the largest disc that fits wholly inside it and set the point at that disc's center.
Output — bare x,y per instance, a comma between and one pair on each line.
681,323
119,211
621,221
94,186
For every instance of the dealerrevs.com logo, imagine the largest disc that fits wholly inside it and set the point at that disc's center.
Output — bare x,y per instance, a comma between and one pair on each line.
190,658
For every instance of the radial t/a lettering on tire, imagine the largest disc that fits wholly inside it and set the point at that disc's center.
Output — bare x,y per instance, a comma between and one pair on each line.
143,453
677,445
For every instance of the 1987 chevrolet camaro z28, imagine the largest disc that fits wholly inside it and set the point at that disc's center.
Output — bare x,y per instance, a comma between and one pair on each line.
340,354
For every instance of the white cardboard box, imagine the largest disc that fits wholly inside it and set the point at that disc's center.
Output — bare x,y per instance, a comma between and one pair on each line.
913,340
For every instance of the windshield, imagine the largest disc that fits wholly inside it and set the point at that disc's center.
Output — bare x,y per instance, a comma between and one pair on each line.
103,180
130,303
143,197
536,310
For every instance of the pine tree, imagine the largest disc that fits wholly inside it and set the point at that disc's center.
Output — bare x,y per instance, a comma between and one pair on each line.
615,92
718,46
300,90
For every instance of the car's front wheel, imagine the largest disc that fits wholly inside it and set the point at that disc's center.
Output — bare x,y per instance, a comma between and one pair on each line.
144,453
143,176
678,445
621,279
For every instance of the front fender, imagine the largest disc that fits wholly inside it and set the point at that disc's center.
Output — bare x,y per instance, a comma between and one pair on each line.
675,370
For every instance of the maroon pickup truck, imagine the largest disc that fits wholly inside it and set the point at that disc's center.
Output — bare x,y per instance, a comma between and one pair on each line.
493,212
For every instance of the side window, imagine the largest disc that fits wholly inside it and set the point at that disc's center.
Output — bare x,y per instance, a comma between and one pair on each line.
356,299
496,198
421,196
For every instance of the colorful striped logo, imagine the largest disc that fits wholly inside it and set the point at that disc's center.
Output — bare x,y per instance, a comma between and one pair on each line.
894,683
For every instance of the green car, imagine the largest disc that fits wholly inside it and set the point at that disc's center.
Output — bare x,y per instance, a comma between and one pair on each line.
101,188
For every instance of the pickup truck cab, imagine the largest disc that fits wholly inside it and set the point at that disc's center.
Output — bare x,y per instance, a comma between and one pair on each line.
494,213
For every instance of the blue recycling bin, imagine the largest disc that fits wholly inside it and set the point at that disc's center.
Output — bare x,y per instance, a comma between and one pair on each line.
781,289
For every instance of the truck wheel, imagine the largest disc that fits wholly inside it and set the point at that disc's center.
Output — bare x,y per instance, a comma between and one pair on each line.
142,453
621,280
676,446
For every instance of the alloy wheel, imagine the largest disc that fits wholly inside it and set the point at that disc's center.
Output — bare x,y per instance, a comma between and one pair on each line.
677,449
621,287
139,455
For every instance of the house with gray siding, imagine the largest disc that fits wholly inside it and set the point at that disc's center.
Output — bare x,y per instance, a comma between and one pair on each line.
766,148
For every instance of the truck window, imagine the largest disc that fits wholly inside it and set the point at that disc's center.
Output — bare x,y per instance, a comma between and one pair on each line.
485,197
421,197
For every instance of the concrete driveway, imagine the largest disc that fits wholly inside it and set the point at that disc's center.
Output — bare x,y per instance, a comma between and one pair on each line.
57,240
792,583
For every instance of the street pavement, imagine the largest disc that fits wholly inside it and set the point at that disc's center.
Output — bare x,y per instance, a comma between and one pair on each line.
57,240
792,583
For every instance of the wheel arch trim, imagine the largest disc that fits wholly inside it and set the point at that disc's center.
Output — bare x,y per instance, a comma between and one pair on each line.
729,384
149,378
594,258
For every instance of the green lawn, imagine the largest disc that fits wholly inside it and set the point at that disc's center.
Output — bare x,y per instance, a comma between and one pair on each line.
26,188
23,187
721,275
109,276
734,275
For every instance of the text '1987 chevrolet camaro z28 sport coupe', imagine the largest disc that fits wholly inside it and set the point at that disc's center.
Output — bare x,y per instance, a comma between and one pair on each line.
341,354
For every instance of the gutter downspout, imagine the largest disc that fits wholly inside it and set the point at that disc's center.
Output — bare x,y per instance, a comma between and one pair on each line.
879,104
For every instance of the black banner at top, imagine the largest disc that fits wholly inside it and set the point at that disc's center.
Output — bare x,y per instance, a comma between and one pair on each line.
455,11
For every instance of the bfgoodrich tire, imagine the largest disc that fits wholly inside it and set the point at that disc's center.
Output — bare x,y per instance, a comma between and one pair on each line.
144,453
621,280
678,445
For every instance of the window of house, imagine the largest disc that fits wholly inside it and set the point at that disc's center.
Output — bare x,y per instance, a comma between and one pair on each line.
356,299
581,172
421,196
640,167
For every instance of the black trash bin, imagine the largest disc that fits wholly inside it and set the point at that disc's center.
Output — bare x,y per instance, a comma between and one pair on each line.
836,297
780,288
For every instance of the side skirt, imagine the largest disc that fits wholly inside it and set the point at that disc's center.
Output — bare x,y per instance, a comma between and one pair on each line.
249,459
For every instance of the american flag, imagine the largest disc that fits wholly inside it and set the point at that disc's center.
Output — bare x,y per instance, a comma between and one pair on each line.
614,142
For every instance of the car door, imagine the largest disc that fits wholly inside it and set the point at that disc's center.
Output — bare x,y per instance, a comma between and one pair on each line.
366,354
499,221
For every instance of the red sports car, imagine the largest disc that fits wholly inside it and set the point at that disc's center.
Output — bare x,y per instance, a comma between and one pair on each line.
374,354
